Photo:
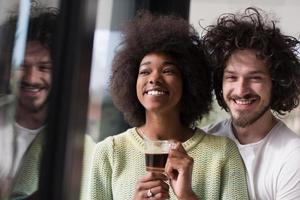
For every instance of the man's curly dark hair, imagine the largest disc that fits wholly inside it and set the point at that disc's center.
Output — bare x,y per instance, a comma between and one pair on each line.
175,37
250,30
42,26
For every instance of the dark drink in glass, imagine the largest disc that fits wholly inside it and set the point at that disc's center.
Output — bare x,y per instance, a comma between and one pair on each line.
156,154
156,162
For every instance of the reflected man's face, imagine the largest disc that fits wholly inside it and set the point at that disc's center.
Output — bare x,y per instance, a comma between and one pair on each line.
35,77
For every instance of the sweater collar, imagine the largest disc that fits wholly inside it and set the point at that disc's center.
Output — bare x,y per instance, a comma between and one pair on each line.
188,145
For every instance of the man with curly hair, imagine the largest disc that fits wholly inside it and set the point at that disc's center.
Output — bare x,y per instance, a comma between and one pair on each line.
35,82
162,84
256,78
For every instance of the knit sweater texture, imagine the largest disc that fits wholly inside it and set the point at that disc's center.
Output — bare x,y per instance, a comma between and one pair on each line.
119,162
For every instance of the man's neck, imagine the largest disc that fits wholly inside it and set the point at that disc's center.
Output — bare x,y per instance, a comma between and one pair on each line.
31,120
255,131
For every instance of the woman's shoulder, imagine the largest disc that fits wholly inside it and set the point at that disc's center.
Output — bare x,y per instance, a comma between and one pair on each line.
110,139
215,141
119,141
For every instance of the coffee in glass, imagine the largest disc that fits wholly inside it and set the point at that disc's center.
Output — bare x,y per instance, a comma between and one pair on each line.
156,154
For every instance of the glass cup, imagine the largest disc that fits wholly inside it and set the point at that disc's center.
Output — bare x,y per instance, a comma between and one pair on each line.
156,154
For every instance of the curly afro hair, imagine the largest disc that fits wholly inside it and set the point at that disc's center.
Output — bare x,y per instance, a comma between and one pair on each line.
175,37
250,31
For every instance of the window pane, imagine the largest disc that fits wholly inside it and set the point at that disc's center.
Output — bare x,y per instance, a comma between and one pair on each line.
103,118
25,84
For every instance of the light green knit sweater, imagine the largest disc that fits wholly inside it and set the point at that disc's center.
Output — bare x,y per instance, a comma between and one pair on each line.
119,162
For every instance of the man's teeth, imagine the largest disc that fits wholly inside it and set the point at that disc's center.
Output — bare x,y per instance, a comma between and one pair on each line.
244,101
155,92
31,89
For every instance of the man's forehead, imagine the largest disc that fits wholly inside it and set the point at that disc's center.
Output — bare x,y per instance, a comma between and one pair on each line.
35,46
245,60
35,51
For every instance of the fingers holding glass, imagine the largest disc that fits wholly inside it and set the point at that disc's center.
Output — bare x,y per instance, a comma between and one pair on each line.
179,169
152,186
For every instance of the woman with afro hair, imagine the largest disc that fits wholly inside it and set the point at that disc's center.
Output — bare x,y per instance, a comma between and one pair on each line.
162,84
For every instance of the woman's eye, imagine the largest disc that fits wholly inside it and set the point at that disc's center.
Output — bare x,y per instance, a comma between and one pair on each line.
169,71
143,72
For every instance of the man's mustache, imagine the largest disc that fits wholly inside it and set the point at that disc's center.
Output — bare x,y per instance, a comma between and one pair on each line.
32,85
246,96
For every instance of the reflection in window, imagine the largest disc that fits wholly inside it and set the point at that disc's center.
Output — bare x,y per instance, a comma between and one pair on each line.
8,157
27,64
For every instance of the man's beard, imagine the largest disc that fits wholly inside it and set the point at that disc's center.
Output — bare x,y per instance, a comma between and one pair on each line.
28,103
246,119
30,107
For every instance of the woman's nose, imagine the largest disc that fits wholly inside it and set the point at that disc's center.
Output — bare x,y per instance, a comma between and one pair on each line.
155,78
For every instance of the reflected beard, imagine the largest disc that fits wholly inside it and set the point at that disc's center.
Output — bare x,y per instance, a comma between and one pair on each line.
30,107
245,118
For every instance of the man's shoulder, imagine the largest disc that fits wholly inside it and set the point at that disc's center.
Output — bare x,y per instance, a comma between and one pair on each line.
284,137
221,128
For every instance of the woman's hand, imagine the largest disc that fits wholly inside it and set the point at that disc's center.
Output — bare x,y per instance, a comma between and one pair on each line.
152,186
179,168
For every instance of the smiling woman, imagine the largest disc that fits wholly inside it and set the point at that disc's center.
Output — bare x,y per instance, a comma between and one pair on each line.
159,83
162,84
181,45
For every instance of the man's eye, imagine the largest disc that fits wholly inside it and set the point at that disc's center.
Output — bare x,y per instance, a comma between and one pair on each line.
230,78
257,78
45,68
23,66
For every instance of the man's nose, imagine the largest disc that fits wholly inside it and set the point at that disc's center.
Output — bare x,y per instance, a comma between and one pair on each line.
242,87
30,74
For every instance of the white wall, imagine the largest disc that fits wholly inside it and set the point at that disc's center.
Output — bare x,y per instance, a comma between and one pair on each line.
286,11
